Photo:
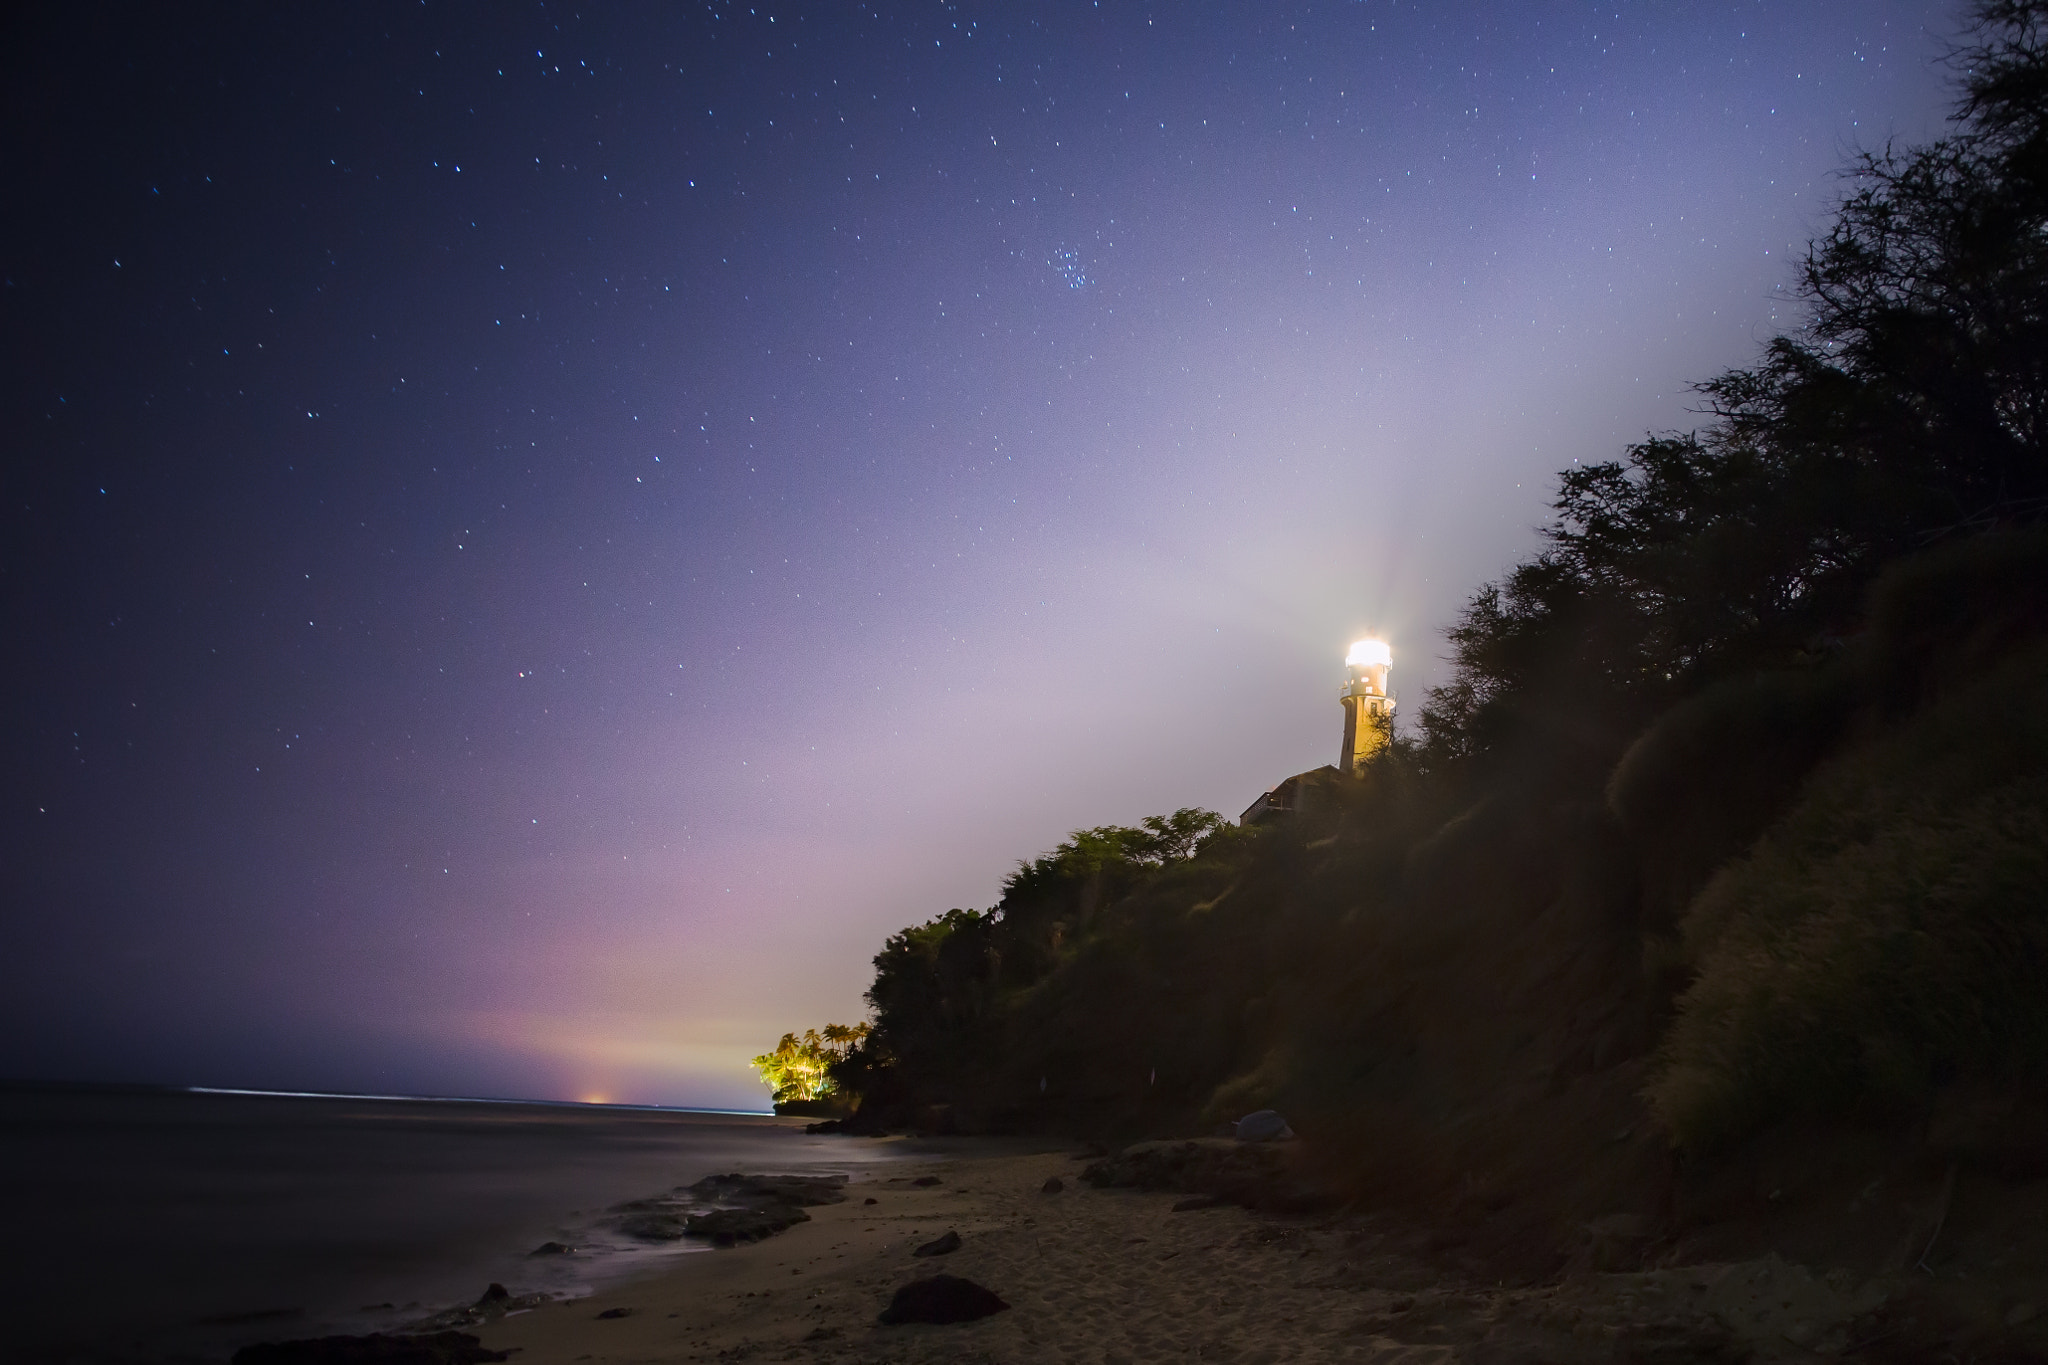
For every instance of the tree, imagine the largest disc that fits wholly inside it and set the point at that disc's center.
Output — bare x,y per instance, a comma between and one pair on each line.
940,987
1175,837
1912,403
799,1068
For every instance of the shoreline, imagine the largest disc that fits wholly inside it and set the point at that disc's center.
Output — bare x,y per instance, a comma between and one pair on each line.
831,1274
1122,1277
169,1225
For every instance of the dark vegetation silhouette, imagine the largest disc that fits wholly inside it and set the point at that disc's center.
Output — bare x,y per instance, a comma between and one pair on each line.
1731,823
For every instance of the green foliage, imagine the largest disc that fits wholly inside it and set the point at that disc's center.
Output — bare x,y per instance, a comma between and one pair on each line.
1115,851
1949,611
946,992
800,1068
1714,771
1889,935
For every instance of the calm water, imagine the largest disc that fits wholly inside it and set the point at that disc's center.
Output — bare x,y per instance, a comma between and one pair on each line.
150,1226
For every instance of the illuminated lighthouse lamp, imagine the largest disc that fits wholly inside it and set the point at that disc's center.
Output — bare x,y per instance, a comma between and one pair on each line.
1367,703
1366,653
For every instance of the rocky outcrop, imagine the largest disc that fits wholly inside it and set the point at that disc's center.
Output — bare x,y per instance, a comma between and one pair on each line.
1260,1175
743,1208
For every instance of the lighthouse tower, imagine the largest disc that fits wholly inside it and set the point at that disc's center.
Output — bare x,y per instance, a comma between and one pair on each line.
1366,703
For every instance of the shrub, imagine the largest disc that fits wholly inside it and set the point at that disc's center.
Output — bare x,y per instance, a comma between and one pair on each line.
1889,935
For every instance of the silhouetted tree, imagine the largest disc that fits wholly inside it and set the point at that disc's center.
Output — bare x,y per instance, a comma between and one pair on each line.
1913,402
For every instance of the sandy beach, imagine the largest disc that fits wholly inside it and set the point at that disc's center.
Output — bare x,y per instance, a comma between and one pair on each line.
1119,1276
1088,1274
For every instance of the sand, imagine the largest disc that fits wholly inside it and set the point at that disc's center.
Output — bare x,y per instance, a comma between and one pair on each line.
1118,1276
1090,1275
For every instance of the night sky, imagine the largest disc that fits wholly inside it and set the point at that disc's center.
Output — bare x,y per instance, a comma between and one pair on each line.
536,537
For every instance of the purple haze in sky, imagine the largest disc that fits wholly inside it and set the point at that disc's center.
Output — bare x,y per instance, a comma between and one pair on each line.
537,537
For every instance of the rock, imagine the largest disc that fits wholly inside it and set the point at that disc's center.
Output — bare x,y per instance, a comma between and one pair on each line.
731,1227
551,1249
1053,1185
1259,1175
1263,1126
2020,1315
942,1298
804,1191
747,1208
871,1200
616,1313
821,1334
925,1181
826,1126
940,1247
433,1348
667,1226
495,1294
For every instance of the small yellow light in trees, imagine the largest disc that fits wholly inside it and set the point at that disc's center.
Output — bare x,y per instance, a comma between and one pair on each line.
1366,653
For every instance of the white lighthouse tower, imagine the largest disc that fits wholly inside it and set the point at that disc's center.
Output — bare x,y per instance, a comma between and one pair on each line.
1367,703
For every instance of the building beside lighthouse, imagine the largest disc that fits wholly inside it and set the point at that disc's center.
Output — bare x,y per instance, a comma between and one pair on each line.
1368,720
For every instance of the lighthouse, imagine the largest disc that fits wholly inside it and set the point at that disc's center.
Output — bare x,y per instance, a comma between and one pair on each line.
1367,703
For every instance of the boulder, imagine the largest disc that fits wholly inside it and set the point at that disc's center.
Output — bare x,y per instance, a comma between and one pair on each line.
732,1227
941,1298
942,1246
1259,1175
1262,1126
746,1208
655,1225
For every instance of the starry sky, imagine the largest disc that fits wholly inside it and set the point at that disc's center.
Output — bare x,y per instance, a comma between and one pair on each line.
535,536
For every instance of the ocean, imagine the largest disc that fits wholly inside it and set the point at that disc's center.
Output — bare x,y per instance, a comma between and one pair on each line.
159,1225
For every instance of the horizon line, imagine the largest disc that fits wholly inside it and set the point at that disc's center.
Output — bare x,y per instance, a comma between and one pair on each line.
164,1087
463,1099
